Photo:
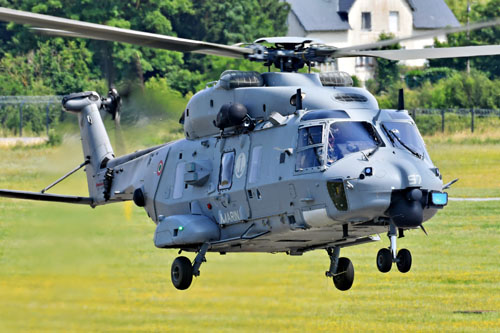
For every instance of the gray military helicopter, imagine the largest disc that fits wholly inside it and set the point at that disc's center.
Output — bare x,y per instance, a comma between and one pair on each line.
271,162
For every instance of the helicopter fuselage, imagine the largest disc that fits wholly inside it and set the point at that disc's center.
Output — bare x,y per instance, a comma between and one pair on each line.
278,187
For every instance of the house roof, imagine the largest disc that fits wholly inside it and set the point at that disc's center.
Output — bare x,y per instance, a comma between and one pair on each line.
345,5
319,15
331,15
432,14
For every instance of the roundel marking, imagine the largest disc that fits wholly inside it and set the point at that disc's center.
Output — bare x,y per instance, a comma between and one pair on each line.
160,168
241,164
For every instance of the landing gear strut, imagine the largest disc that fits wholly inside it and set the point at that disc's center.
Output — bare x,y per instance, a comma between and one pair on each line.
341,269
387,256
182,271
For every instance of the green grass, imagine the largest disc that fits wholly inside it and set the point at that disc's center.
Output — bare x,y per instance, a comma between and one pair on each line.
476,165
73,268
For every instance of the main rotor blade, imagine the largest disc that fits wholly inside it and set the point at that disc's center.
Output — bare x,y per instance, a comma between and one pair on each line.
104,32
432,33
429,53
60,33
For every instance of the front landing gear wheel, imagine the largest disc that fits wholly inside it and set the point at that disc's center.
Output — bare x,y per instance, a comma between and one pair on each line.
181,273
384,260
345,277
403,260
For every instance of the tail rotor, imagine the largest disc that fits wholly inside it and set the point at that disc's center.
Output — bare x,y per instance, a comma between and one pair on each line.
112,104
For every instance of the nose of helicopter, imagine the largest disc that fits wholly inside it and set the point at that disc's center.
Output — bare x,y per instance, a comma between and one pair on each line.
406,209
410,179
391,185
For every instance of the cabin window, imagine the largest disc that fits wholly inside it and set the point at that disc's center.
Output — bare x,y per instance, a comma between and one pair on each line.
179,181
226,170
255,164
310,148
393,21
366,21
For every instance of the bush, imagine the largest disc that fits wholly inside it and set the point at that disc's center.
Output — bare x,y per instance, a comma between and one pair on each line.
355,81
415,78
55,139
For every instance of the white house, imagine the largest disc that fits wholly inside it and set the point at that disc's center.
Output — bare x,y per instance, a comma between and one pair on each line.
349,22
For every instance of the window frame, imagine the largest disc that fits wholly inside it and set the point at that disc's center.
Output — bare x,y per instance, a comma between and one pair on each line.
375,133
365,62
179,184
321,145
366,21
398,26
255,164
424,153
222,169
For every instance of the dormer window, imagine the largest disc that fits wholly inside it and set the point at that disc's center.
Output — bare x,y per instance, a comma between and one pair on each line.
366,21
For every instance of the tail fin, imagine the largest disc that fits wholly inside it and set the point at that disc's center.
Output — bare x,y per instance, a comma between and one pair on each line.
95,141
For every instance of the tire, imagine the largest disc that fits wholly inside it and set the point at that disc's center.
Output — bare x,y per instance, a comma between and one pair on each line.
181,273
384,260
403,260
344,280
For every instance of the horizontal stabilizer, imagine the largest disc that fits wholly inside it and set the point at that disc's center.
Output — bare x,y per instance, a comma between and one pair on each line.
46,197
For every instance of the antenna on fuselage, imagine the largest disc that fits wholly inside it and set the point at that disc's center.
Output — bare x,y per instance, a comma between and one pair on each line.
298,100
401,100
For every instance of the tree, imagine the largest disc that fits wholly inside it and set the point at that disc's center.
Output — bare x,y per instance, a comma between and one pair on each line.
225,22
229,22
386,71
117,61
489,36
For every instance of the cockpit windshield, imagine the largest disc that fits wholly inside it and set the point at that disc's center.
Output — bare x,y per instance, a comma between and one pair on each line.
342,138
349,137
405,136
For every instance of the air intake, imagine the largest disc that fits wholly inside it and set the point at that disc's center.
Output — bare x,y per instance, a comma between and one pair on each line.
238,79
350,97
335,79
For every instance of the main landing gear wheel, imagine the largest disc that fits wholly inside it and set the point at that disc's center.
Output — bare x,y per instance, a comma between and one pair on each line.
345,277
182,273
403,260
384,260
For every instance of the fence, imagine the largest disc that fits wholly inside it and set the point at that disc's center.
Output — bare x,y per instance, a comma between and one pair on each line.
38,101
431,121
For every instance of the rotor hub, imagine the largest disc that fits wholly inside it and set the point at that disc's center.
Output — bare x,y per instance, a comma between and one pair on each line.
289,54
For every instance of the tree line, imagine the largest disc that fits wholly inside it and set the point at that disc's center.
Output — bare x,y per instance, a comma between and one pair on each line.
34,64
444,83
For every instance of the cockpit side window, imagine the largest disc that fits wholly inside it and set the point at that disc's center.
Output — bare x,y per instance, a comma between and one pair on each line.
310,136
310,148
349,137
226,170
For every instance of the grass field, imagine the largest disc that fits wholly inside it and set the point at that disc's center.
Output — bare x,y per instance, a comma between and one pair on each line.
72,268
